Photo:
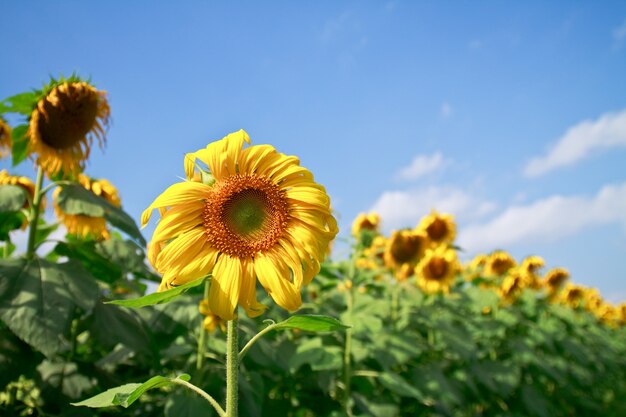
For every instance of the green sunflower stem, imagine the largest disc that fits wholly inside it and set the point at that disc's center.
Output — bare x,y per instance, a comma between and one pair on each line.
203,333
34,215
232,368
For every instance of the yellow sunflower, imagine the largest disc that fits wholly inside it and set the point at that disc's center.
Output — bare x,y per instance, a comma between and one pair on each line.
436,271
63,125
593,300
440,228
555,279
572,295
404,247
364,221
261,215
26,184
211,321
88,226
498,263
529,271
5,139
511,287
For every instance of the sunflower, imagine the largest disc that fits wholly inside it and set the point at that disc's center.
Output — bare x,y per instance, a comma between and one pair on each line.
554,280
83,225
24,183
404,247
511,287
593,300
436,271
259,214
529,269
5,139
63,124
439,228
572,295
364,221
498,263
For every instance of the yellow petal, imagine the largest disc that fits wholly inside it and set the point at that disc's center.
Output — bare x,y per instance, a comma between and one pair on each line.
247,296
200,266
180,193
225,286
252,156
273,275
178,220
180,251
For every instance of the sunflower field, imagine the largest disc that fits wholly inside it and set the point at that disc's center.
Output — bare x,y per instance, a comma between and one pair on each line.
105,323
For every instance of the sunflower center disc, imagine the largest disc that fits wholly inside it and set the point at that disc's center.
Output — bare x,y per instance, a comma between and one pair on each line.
438,268
245,214
437,230
68,117
405,249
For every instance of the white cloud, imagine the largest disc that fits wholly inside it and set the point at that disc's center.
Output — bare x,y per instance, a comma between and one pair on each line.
400,209
548,219
421,166
608,131
446,110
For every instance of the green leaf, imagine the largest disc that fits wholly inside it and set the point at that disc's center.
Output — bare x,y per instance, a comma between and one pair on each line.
157,297
23,103
19,147
396,384
85,252
12,198
38,299
311,323
319,357
127,394
10,221
74,199
112,325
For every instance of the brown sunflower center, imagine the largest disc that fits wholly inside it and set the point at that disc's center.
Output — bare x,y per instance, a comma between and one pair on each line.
437,230
437,268
500,266
67,115
245,214
405,249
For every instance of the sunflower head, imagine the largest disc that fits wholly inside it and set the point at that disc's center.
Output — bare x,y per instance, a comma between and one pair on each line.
593,300
211,321
69,115
437,269
555,279
440,228
404,246
5,139
572,295
87,226
26,184
262,216
529,271
498,263
370,221
511,287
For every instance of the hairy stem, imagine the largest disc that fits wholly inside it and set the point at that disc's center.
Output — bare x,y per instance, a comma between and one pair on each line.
232,368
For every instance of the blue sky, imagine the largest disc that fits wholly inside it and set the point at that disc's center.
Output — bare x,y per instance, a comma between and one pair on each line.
512,116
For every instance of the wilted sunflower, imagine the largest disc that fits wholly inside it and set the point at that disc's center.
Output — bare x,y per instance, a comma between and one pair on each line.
83,225
436,271
498,263
260,216
554,280
5,139
364,221
63,124
404,247
440,228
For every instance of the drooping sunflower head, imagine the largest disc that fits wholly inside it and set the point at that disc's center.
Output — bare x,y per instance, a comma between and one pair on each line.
437,269
259,216
87,226
572,295
64,123
363,221
404,246
440,228
5,139
555,279
498,263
